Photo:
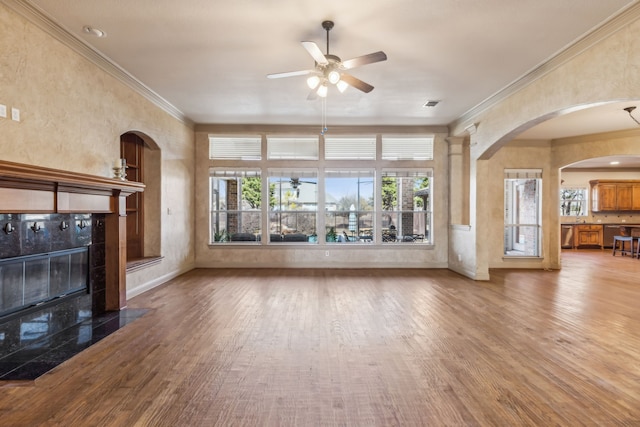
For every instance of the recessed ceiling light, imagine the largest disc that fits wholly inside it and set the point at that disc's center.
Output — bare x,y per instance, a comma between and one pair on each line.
431,103
614,163
96,32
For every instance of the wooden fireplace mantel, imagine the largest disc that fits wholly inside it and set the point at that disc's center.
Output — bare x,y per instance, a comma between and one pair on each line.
36,189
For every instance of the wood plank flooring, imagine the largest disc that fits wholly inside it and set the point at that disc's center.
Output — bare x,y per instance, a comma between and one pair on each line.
361,348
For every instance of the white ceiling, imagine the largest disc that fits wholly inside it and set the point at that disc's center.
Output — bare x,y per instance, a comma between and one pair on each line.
210,58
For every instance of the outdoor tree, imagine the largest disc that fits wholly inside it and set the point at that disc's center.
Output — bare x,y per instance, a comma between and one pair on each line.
420,184
389,193
252,192
346,201
571,201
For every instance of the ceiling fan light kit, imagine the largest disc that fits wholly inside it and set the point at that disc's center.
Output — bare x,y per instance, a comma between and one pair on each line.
331,70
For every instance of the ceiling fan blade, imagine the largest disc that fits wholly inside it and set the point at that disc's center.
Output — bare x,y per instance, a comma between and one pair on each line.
289,74
315,52
364,60
313,95
357,83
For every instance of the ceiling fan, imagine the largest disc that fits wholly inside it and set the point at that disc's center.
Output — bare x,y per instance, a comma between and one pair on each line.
295,184
330,69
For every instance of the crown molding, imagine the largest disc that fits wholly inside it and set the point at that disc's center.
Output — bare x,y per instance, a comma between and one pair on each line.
42,21
599,33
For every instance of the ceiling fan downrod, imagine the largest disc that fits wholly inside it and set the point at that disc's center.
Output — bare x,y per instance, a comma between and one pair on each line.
327,25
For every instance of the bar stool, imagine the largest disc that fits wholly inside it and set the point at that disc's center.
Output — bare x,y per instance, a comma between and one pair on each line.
621,248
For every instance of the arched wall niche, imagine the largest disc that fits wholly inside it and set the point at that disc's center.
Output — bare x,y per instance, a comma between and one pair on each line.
152,195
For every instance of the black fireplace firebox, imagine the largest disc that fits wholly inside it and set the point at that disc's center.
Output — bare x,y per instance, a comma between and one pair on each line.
47,259
36,279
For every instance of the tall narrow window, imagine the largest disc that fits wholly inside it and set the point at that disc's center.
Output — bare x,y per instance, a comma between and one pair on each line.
236,203
132,149
293,209
349,205
406,206
522,212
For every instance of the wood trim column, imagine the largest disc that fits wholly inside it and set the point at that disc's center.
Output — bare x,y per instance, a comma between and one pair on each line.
116,254
456,184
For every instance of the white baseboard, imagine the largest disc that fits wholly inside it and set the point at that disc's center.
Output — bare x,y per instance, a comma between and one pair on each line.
471,274
157,281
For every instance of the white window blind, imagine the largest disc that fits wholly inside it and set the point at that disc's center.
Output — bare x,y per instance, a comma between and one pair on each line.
299,148
297,173
523,174
407,148
349,148
235,173
408,173
235,148
351,173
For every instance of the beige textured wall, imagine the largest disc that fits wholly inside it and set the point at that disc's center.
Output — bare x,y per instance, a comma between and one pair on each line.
340,256
73,114
607,71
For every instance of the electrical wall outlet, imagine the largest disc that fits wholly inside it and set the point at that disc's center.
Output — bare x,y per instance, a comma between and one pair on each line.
15,114
3,111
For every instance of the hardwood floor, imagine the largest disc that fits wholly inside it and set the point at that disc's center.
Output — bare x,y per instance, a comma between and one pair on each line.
361,348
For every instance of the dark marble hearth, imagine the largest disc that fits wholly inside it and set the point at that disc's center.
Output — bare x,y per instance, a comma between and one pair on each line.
42,352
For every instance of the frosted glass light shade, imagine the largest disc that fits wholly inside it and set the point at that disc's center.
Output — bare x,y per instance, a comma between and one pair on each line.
313,82
333,77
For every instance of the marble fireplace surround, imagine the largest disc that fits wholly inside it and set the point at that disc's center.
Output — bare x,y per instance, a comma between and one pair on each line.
30,189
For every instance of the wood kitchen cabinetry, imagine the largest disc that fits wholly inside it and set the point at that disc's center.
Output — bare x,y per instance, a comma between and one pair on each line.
615,195
575,236
587,235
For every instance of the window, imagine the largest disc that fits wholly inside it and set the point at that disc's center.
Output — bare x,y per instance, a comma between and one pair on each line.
293,205
298,148
573,201
406,206
236,205
350,148
349,205
407,148
522,212
235,148
329,190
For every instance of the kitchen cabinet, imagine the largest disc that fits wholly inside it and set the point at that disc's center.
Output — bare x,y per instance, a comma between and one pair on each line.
587,235
615,195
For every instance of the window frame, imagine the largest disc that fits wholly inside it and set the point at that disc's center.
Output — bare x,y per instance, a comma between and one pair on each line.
240,234
583,202
324,168
516,244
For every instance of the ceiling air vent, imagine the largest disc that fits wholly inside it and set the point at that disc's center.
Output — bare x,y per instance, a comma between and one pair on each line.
431,103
